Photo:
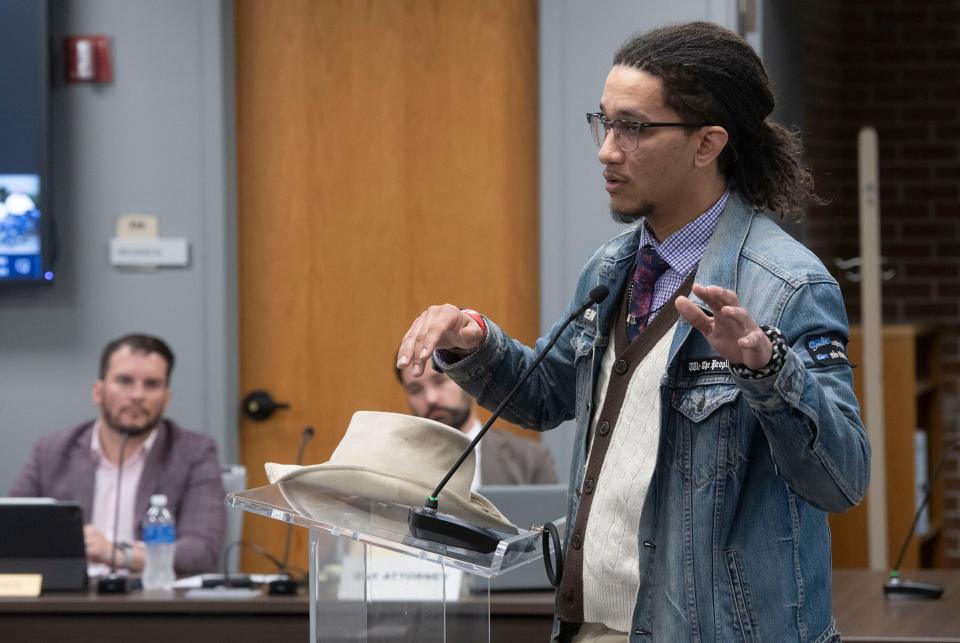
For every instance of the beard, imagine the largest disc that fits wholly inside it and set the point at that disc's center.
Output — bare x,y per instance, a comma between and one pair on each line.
113,422
642,211
452,417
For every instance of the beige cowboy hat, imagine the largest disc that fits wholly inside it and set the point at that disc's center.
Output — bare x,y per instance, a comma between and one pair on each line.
400,459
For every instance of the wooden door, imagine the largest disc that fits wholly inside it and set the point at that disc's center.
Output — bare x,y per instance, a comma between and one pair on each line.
387,160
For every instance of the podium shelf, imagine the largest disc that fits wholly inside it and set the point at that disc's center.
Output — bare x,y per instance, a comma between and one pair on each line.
380,524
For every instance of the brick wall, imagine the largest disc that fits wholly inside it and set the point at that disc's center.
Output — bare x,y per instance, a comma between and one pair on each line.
894,65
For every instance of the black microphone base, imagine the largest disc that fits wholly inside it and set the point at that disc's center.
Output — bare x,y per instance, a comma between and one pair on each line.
112,584
282,587
430,524
898,587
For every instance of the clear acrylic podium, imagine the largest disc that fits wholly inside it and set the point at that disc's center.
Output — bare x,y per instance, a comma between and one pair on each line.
372,582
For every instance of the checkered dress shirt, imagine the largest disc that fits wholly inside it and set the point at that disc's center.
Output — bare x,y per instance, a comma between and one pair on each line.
682,251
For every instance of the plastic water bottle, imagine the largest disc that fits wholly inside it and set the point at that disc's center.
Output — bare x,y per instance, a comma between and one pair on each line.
159,544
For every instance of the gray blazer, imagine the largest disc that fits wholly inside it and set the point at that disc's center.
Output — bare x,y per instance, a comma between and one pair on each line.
181,464
509,459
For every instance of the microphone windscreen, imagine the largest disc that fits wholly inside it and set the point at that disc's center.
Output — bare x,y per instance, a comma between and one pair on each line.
598,294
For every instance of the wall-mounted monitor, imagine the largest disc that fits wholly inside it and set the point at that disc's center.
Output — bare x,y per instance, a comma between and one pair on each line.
26,250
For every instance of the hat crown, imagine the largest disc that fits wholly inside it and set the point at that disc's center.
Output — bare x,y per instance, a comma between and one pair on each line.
408,447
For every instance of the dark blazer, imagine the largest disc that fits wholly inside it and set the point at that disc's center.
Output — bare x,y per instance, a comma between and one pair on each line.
510,459
182,464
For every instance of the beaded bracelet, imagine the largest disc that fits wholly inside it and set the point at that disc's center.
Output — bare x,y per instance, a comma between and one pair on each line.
778,357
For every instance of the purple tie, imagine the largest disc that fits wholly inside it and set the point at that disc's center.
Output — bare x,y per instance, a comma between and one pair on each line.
647,269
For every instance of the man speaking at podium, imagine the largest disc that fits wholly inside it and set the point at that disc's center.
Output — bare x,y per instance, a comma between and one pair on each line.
716,419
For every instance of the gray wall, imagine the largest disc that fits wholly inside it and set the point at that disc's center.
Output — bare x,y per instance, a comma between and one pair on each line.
159,139
577,43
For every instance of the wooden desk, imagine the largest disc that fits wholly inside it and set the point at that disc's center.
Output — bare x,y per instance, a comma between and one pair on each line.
138,617
147,619
862,612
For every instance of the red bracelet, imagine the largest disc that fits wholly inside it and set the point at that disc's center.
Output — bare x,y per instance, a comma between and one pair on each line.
477,317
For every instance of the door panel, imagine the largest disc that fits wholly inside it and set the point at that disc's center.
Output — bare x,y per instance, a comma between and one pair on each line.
387,160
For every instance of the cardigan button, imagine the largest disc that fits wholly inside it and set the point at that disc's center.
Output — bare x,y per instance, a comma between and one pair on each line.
588,485
603,428
621,366
577,541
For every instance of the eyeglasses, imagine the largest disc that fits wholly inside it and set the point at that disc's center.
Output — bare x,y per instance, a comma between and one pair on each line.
626,134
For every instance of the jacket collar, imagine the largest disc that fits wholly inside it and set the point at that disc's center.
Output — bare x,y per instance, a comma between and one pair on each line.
718,267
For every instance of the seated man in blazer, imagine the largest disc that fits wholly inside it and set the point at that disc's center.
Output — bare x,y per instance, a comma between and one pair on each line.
80,464
502,458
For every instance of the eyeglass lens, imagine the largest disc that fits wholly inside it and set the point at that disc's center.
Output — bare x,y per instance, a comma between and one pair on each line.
625,137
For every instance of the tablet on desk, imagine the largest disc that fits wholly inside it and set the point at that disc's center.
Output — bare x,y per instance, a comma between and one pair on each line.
43,536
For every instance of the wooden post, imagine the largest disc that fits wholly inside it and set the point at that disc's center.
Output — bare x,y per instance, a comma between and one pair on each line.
871,314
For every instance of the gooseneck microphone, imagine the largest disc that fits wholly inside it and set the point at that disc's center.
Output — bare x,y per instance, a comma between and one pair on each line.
427,522
897,586
113,583
286,585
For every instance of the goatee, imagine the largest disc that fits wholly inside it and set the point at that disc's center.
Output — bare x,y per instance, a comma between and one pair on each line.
642,211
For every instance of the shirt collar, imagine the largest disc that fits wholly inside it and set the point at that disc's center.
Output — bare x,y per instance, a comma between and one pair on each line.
683,249
474,429
97,449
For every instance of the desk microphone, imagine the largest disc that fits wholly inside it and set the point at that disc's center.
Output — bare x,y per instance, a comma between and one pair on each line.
113,583
428,523
896,586
286,584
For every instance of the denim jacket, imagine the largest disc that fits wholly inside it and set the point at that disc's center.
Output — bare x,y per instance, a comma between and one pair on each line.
733,536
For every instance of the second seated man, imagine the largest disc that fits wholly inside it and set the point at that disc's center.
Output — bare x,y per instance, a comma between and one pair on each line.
502,458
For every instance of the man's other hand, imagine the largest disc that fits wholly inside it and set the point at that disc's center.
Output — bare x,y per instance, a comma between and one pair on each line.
730,330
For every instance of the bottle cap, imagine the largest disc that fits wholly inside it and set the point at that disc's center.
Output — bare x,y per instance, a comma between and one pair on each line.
158,500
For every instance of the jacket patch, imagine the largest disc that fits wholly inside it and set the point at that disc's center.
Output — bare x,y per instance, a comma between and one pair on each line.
714,364
826,349
589,318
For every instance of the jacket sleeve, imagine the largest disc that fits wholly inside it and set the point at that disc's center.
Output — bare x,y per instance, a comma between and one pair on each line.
809,412
201,518
548,397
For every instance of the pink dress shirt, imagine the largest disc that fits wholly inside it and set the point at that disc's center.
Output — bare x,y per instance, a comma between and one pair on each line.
105,493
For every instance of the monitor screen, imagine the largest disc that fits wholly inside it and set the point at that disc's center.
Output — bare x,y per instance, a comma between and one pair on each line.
20,215
25,252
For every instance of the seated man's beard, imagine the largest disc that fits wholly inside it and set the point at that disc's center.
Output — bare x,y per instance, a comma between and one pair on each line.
457,416
131,430
642,211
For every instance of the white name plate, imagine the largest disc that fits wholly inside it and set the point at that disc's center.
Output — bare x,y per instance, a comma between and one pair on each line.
138,252
20,585
392,576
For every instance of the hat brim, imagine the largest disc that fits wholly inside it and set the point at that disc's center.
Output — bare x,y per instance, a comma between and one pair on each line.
364,482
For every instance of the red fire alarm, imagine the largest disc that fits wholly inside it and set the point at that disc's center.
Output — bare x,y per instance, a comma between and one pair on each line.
88,59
